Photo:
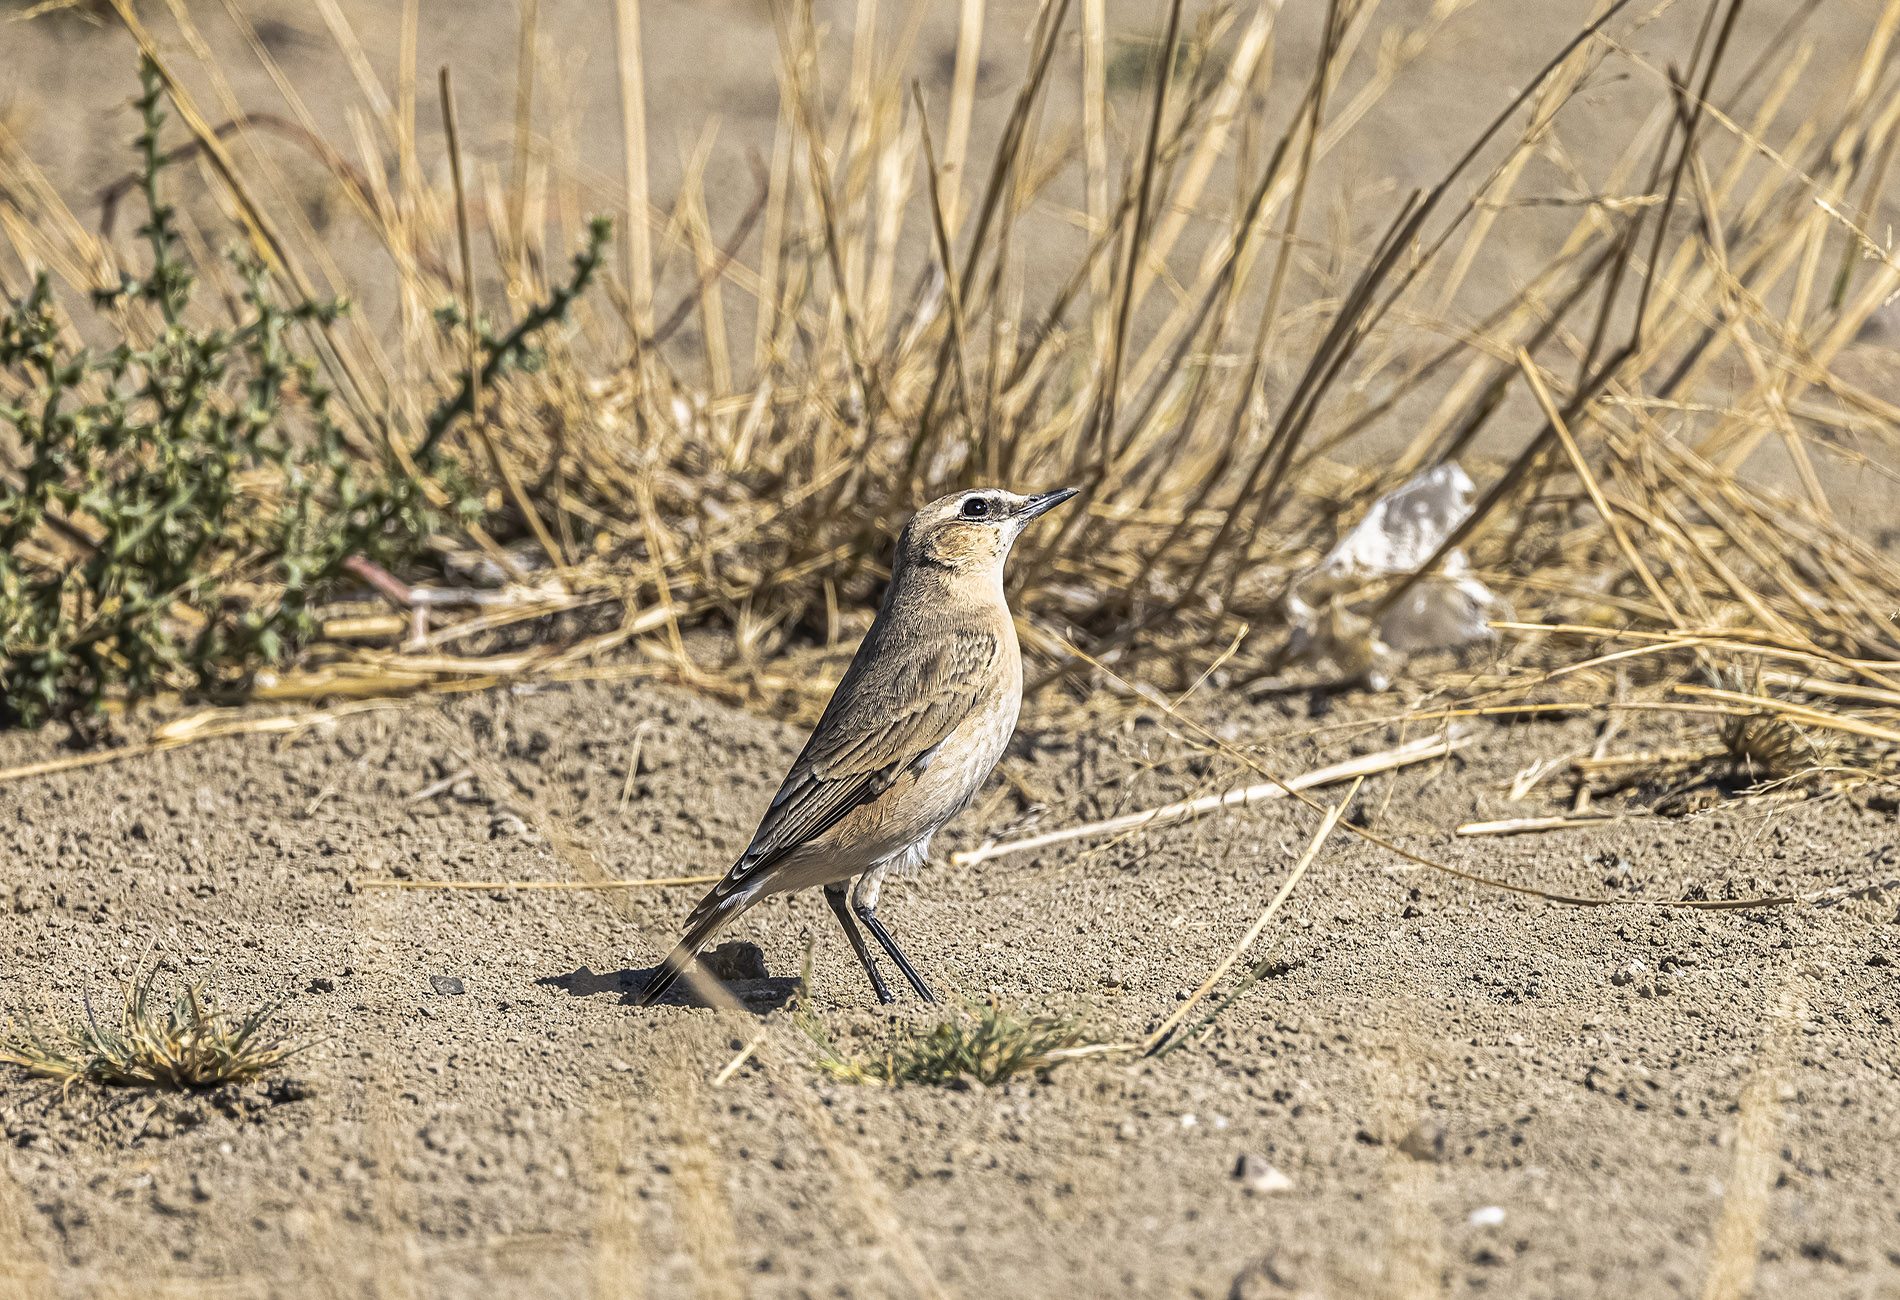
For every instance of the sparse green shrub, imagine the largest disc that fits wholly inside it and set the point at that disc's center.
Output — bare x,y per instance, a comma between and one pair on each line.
183,498
175,473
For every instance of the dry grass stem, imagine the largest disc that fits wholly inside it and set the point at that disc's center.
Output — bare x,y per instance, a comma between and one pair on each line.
1530,825
1414,751
536,884
1246,940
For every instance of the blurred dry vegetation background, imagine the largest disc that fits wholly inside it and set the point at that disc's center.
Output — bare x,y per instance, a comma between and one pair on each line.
1236,270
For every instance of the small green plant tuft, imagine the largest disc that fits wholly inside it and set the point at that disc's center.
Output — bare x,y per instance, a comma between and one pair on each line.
984,1043
185,1043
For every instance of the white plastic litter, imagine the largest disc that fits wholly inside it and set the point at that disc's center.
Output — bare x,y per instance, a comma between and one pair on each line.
1402,530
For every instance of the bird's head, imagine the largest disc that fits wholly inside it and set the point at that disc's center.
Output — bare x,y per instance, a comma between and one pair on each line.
970,533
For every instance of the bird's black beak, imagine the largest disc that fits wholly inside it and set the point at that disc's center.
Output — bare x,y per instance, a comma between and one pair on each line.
1043,502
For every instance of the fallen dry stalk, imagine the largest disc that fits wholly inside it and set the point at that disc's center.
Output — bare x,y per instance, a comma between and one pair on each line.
1413,751
395,883
744,1054
1797,712
1812,685
1246,940
1646,758
1527,825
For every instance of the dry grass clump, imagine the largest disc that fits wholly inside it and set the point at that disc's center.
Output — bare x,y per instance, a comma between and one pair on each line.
186,1043
983,1043
1230,377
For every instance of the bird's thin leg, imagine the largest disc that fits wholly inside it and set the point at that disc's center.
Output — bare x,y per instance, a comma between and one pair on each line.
835,895
867,913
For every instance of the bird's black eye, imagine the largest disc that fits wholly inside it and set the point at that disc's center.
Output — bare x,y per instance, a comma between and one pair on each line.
974,508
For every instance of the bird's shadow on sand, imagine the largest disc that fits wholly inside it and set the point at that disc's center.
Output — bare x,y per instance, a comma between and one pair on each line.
740,967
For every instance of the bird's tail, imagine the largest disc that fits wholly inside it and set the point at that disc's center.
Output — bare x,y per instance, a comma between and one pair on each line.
708,915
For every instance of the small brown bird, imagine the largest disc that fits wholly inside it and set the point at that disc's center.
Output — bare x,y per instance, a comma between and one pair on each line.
908,738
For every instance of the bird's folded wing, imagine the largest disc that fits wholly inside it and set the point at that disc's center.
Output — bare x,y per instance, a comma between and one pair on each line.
895,705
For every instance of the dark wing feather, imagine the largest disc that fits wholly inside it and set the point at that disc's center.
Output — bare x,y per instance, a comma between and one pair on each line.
893,708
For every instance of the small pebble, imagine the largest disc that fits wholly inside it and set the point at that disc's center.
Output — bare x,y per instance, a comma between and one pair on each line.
448,985
1259,1177
1426,1142
1489,1216
505,824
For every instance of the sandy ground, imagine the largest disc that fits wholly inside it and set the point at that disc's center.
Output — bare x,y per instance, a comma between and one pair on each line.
1462,1095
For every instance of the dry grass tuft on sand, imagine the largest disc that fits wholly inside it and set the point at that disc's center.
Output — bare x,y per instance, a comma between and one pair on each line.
983,1044
185,1043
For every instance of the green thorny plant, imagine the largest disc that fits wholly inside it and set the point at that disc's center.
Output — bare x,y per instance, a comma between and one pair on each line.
201,491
